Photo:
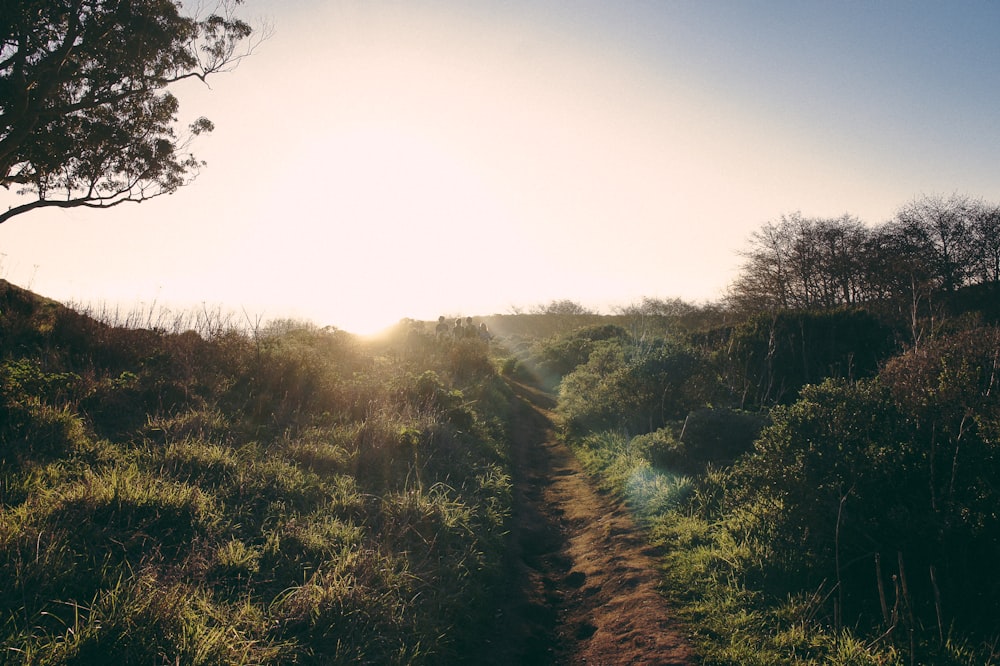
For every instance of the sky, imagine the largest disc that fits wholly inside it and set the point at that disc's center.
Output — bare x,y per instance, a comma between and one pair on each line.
374,161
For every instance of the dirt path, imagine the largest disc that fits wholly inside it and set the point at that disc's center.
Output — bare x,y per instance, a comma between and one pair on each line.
586,581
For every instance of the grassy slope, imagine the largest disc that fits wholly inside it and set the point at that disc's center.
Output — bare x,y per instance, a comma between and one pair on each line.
285,496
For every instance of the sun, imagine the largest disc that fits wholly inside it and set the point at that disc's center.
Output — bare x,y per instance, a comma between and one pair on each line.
402,227
368,327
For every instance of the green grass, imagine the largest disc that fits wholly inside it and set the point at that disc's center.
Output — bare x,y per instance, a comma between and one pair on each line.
281,495
716,559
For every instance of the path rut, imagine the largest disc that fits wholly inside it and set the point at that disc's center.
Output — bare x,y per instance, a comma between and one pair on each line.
583,579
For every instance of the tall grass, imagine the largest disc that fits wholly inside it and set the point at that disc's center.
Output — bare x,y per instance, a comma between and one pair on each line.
207,321
277,494
717,557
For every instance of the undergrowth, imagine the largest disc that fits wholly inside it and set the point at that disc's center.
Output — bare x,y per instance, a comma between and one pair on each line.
286,494
714,564
854,525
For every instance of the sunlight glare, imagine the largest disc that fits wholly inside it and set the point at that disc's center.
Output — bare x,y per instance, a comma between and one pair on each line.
400,217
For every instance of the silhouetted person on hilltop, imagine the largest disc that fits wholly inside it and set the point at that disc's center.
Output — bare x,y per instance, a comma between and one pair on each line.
442,327
484,332
459,330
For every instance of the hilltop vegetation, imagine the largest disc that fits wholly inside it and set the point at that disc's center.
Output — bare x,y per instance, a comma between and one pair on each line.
284,496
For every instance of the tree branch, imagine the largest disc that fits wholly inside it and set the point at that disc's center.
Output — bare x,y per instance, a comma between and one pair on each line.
84,202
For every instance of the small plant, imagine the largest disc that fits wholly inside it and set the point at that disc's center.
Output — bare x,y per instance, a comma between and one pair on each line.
235,559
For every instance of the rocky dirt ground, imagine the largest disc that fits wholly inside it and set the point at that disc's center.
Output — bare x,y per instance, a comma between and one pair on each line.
583,579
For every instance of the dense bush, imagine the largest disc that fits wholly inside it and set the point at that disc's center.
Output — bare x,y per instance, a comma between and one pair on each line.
547,361
885,511
635,388
843,483
770,356
721,435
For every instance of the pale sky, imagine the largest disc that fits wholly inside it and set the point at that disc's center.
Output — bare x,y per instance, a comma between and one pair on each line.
374,161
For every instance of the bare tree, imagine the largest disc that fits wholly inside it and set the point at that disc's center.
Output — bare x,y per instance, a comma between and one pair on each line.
764,281
986,241
801,262
561,307
945,226
842,251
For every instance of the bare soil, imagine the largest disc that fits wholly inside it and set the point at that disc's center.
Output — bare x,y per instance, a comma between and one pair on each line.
583,580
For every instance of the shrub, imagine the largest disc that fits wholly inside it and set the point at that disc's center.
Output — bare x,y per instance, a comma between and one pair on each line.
468,360
719,436
663,449
23,379
770,356
35,432
637,389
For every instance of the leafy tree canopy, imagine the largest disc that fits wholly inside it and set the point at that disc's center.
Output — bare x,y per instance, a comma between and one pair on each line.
86,118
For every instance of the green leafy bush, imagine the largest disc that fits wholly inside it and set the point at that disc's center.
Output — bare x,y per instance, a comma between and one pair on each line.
770,356
720,435
635,388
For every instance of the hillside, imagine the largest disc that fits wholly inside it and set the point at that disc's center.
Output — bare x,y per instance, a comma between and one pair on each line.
800,486
282,497
295,495
821,483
